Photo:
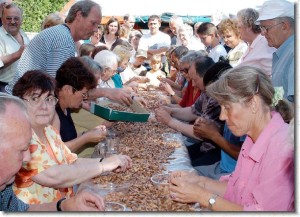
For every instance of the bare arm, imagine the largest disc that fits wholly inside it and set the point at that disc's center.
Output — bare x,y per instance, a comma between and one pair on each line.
67,175
184,114
11,58
94,135
117,94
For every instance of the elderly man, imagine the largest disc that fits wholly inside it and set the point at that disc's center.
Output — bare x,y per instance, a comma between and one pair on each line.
276,20
12,43
53,46
14,150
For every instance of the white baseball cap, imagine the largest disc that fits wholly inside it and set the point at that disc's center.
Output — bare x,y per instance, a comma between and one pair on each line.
275,8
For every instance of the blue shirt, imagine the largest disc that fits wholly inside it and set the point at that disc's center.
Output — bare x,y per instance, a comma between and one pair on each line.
9,202
283,68
228,163
117,80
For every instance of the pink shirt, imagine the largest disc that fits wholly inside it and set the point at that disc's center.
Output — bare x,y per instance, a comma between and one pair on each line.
264,176
259,54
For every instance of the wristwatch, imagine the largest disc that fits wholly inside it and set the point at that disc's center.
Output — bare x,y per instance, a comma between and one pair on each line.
212,201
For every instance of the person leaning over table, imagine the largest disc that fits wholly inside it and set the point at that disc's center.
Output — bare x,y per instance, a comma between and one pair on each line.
73,81
192,92
230,144
204,106
81,22
264,176
14,150
53,169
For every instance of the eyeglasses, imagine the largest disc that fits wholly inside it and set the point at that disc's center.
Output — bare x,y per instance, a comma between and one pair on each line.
267,28
185,70
84,95
10,19
37,101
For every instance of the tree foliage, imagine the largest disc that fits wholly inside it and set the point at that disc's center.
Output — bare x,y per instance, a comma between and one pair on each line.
34,12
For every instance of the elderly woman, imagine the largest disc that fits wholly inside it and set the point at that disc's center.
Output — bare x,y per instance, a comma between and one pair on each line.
53,168
229,31
264,176
259,53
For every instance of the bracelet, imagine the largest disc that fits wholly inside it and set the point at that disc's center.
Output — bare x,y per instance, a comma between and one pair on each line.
132,97
58,204
101,159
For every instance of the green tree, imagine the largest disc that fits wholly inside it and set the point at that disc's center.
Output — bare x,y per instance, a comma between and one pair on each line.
34,12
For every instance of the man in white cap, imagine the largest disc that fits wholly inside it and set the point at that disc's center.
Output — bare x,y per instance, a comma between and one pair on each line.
276,20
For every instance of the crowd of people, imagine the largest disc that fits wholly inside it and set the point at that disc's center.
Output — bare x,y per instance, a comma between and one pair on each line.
231,86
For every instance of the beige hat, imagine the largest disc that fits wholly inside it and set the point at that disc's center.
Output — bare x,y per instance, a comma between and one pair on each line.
141,53
275,8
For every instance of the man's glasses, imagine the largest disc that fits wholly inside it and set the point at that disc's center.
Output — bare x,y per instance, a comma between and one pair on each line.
37,101
185,70
84,95
267,28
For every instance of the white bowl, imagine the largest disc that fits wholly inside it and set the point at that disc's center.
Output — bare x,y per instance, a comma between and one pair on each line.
160,179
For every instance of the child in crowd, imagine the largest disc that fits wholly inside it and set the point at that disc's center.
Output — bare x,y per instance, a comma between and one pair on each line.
137,65
155,73
208,34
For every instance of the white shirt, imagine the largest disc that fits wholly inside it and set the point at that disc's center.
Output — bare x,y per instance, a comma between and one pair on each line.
9,45
216,52
127,74
235,54
153,77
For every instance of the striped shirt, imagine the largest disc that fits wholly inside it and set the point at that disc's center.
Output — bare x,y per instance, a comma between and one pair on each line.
47,52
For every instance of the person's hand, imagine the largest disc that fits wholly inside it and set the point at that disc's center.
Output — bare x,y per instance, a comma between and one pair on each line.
186,176
97,134
84,200
86,105
162,115
204,128
140,100
183,191
117,163
121,95
167,88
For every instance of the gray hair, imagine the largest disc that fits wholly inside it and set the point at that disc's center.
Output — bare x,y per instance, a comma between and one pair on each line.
248,17
176,19
94,67
13,5
106,59
84,7
6,99
290,21
134,33
192,55
240,84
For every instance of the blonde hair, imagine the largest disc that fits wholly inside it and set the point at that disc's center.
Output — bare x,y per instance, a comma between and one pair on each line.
52,19
123,51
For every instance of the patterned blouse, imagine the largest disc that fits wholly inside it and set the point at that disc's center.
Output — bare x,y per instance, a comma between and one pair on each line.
43,156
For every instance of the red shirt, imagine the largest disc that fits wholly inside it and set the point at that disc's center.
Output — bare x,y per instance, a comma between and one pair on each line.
189,96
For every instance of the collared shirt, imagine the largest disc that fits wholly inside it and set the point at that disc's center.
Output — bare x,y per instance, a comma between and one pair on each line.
216,52
10,203
283,68
264,176
258,54
43,156
47,51
9,45
235,54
